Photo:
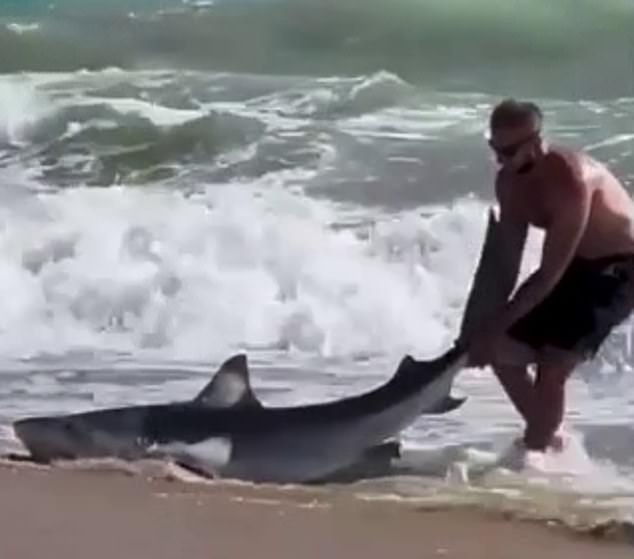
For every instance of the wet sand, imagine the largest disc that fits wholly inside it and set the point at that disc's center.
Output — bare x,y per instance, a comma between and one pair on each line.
69,514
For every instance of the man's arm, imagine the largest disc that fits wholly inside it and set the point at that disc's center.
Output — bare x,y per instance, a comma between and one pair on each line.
561,241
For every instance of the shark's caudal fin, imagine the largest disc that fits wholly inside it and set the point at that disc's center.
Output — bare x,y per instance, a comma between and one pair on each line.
493,281
230,386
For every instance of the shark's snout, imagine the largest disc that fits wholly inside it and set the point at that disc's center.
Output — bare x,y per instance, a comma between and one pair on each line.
46,438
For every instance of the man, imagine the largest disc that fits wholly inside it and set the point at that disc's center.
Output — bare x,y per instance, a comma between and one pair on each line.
584,285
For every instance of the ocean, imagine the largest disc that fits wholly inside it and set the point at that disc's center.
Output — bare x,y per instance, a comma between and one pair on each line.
306,181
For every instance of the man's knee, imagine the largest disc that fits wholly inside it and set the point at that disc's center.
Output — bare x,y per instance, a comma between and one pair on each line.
558,359
510,353
554,374
508,371
552,379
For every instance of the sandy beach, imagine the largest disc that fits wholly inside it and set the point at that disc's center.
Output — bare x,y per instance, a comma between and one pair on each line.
102,515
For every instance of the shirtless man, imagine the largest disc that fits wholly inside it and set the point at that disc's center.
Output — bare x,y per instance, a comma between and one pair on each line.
584,285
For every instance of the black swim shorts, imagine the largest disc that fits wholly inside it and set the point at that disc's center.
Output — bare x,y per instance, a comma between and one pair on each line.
592,297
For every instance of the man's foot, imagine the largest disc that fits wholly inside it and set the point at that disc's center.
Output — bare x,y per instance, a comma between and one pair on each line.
534,460
556,444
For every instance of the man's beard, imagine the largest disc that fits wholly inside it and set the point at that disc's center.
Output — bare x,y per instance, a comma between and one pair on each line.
526,167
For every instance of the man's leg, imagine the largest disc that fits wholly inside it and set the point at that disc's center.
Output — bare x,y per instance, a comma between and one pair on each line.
519,387
548,403
511,369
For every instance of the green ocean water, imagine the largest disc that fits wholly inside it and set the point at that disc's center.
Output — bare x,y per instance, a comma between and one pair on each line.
567,48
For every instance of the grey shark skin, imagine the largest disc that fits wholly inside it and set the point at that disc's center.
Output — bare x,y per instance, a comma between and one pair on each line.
226,432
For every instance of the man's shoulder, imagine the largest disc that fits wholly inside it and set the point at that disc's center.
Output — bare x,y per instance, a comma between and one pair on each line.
564,163
565,170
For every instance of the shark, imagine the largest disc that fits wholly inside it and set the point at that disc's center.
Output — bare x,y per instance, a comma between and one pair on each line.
225,431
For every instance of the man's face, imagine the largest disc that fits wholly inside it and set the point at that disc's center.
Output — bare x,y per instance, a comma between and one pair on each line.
517,148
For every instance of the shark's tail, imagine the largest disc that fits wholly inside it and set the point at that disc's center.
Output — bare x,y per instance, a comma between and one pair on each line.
493,281
491,286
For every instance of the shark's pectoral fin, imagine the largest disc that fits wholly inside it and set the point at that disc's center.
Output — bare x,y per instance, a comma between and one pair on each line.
196,467
207,456
446,405
230,386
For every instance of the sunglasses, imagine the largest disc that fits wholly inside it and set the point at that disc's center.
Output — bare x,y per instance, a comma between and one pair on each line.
510,150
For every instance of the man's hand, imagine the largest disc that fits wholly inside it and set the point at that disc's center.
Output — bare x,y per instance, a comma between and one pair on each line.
483,345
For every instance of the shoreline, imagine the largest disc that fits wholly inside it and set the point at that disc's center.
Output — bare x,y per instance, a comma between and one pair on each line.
99,514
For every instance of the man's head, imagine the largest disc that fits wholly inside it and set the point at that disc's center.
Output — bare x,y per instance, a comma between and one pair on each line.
515,128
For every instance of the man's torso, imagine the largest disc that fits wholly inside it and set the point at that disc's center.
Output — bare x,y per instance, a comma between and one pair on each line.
532,198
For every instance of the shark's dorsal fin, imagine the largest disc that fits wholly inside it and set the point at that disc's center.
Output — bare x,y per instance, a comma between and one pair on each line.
230,386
